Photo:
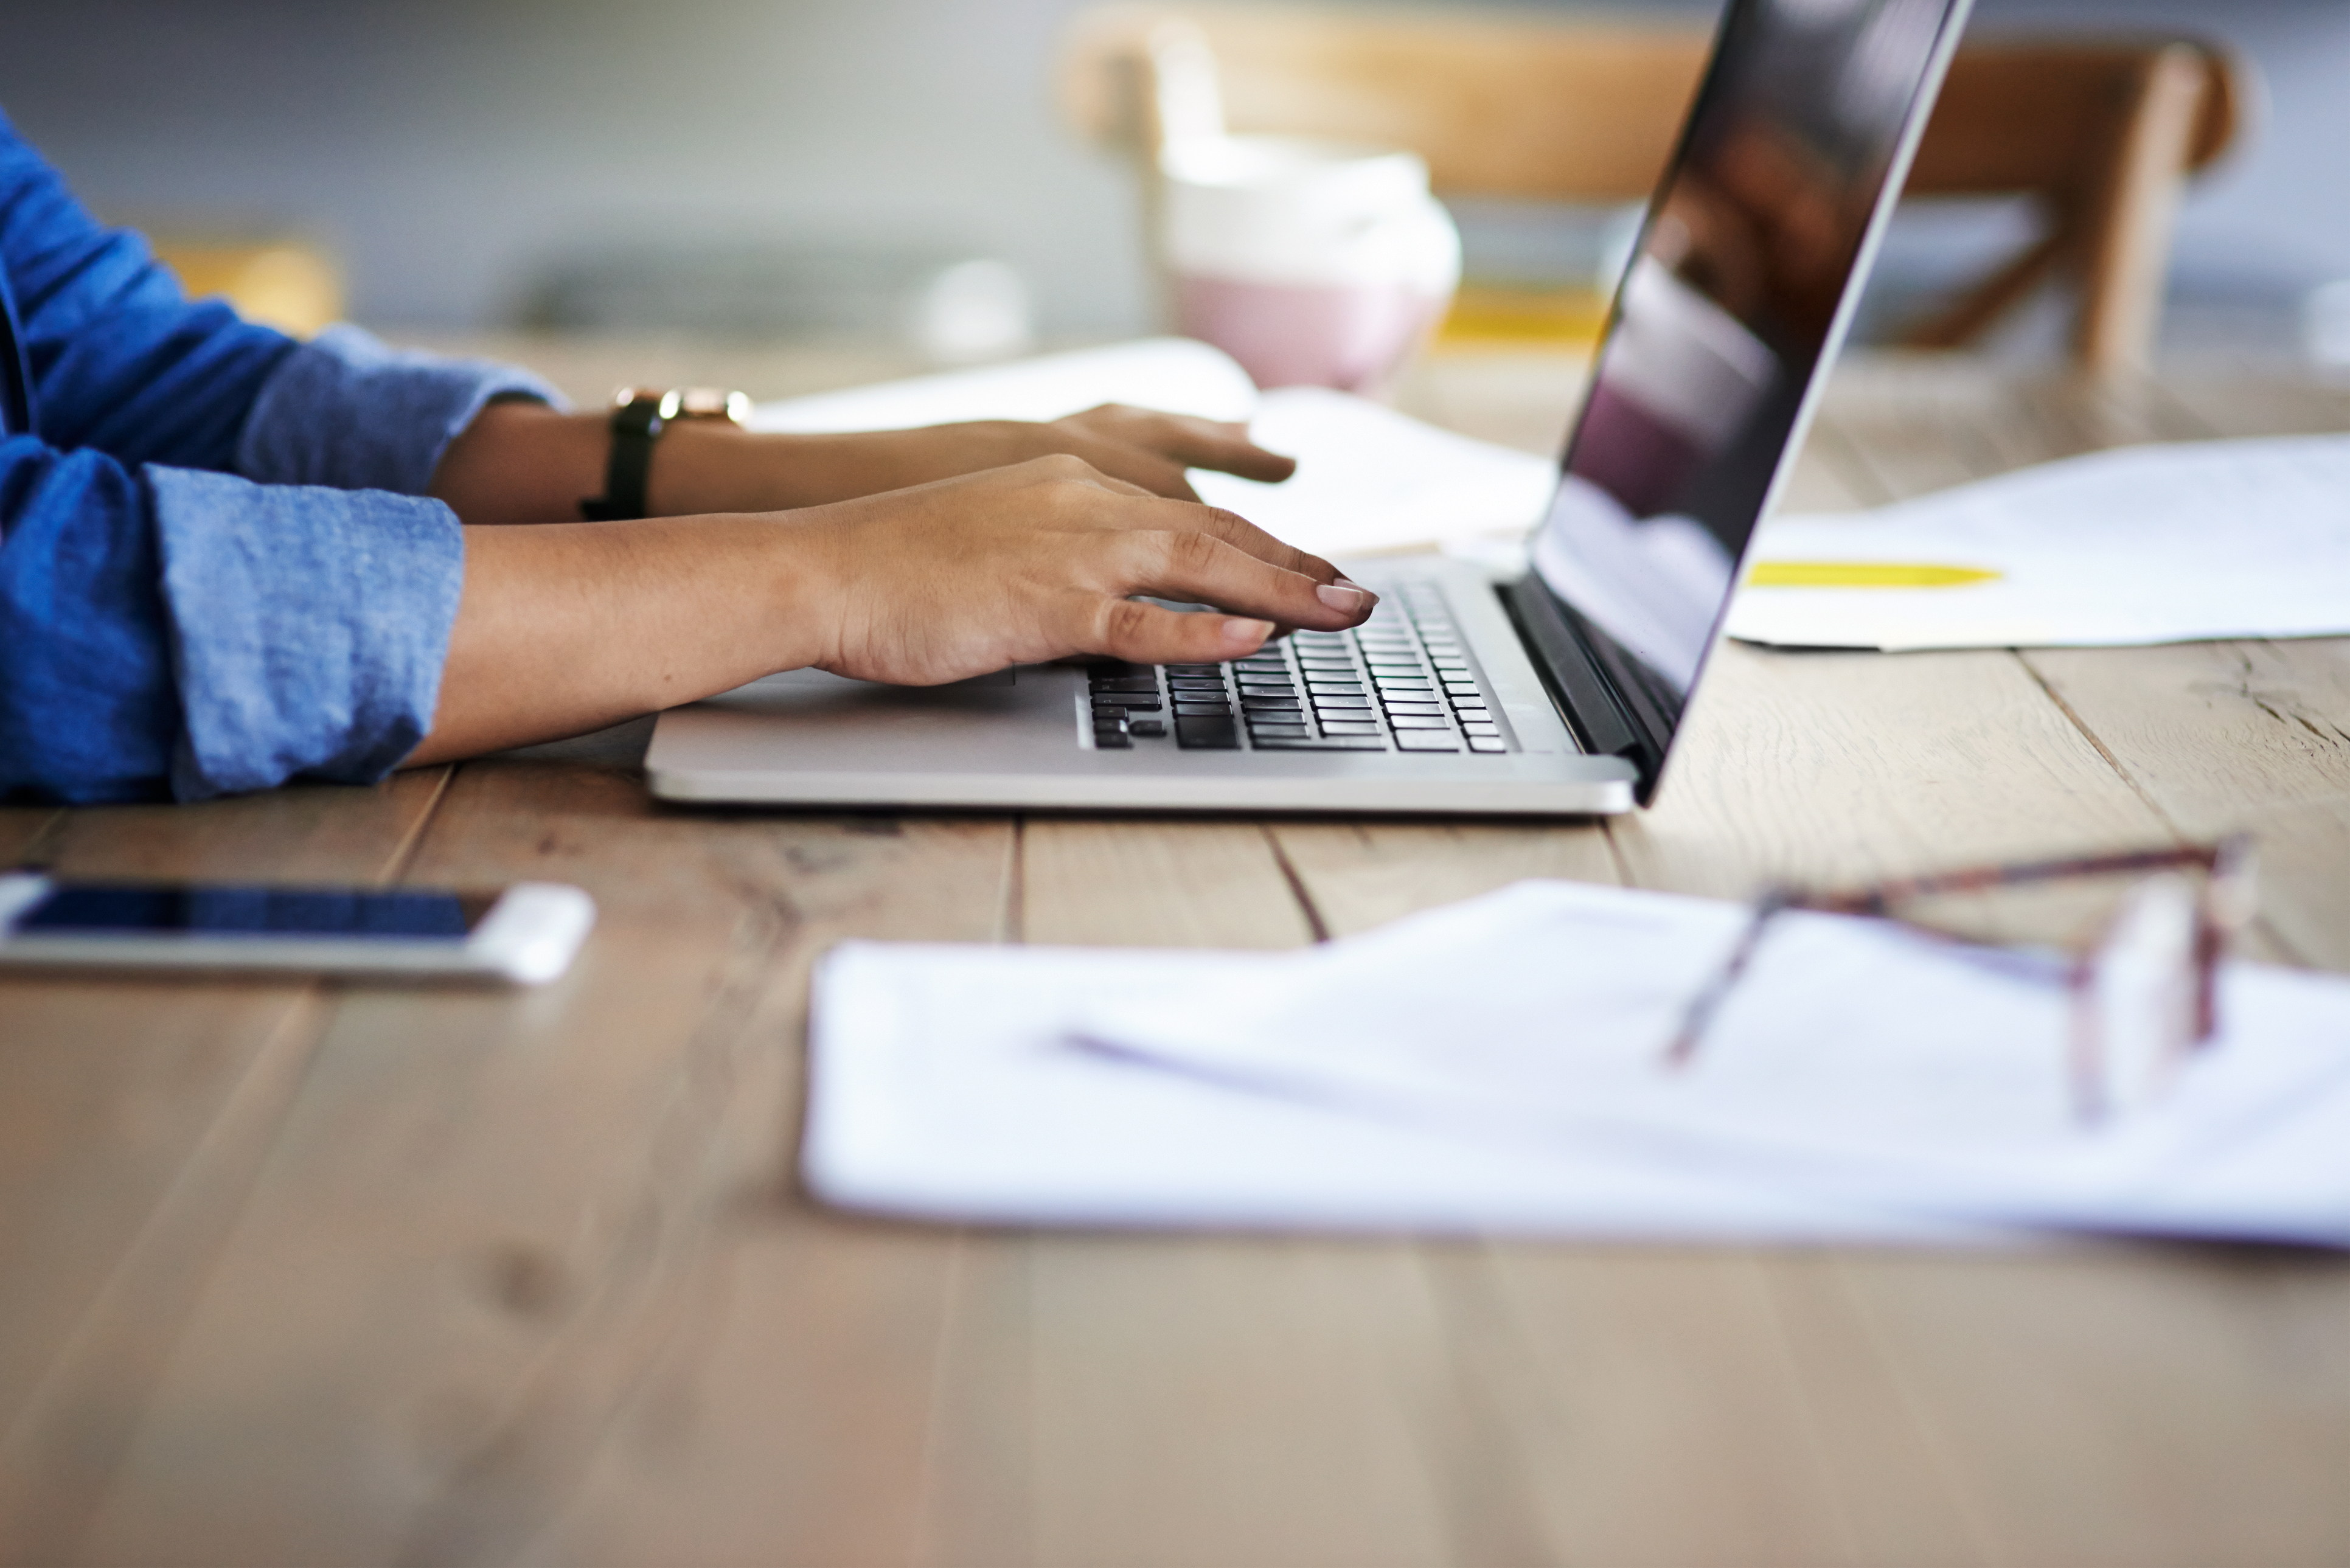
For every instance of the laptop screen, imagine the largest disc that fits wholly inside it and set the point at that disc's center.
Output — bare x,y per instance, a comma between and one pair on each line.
1753,252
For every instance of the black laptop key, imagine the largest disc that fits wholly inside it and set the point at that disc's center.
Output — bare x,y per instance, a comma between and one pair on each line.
1261,733
1204,710
1204,734
1418,720
1147,728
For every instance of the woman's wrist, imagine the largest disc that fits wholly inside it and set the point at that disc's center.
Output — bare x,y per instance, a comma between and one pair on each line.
527,462
709,467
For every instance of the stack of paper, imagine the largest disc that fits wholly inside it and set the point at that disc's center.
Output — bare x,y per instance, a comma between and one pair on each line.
2160,543
1367,477
1501,1065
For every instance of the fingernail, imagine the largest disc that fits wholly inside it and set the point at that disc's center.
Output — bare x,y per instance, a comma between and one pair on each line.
1342,596
1244,633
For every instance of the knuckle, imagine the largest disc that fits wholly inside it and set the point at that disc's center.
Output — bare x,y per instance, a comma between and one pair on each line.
1063,466
1123,622
1191,551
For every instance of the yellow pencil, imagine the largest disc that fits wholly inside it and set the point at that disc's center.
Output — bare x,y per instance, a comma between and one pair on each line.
1863,574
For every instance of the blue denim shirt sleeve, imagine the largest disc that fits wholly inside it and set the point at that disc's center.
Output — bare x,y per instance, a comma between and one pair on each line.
345,411
207,581
181,632
306,627
118,359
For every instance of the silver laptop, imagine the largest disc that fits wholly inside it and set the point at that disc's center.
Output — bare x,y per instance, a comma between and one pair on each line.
1559,692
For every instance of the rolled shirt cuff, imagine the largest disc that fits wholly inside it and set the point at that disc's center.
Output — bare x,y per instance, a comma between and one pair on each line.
345,411
309,627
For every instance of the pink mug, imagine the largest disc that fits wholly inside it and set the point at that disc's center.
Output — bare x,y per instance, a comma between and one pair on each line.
1313,264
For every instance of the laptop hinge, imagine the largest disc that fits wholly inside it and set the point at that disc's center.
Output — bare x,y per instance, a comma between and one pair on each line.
1609,719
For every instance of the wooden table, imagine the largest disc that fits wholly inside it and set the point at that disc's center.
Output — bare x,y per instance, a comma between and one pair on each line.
313,1274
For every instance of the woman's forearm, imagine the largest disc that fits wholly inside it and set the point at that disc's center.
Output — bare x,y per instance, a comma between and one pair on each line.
570,628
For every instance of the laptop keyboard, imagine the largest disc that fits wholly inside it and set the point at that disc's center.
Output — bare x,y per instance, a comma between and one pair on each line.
1401,682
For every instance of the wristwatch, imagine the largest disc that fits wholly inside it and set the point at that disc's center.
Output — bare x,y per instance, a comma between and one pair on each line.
640,414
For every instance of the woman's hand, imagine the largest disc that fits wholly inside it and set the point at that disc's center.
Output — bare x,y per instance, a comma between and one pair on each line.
571,627
1022,565
1139,446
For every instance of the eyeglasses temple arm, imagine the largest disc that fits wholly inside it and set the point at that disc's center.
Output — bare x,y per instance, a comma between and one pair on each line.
1708,1001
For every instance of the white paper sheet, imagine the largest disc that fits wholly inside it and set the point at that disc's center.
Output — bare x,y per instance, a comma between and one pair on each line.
1179,375
1367,478
943,1085
1497,1066
1370,478
2147,544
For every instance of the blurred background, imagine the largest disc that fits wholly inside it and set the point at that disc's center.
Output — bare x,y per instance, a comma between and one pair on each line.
885,168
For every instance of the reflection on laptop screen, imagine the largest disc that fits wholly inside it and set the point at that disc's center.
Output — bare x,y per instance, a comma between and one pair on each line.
1731,302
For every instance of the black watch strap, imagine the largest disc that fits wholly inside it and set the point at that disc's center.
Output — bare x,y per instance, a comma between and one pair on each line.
636,425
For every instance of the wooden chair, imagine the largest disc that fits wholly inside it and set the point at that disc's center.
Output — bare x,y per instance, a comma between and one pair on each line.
2103,135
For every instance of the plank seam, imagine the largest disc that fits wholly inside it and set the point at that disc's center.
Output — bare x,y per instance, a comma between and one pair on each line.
1616,854
1289,874
1015,920
39,850
411,843
2081,726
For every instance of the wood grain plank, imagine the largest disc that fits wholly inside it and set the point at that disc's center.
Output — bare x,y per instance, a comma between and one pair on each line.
2229,736
1182,1400
1836,767
1358,876
520,1261
2152,1407
134,1113
1089,883
1925,422
2255,405
1253,1402
1650,1399
22,827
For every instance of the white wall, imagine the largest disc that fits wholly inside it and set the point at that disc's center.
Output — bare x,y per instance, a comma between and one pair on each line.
448,148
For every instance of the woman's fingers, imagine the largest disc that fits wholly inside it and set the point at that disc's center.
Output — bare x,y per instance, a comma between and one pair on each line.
1198,567
1148,634
1189,442
1137,465
1234,530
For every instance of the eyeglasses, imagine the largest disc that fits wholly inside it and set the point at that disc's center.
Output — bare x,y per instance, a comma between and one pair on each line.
2143,993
